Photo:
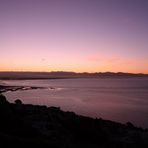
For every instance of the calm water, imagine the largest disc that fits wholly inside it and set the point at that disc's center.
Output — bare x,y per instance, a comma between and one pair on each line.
114,99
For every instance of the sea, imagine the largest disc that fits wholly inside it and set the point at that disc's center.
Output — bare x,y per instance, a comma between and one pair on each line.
117,99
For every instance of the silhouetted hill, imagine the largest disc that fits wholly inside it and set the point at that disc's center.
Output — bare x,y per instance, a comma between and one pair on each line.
40,126
61,75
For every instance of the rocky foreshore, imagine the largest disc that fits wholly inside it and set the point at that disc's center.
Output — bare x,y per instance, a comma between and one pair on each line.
32,125
4,88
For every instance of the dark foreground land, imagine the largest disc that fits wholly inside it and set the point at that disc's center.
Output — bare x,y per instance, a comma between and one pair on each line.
40,126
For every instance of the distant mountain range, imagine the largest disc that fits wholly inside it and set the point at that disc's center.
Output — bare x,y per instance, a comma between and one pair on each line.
62,74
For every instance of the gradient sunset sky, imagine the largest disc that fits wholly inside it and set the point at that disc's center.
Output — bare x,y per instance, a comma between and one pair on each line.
74,35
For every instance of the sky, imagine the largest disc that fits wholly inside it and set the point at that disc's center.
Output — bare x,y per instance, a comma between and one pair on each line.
74,35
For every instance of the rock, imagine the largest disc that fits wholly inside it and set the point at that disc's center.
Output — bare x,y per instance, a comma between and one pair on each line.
3,100
130,125
52,127
18,101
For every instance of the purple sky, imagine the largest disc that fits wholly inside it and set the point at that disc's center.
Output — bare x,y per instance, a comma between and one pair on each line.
74,35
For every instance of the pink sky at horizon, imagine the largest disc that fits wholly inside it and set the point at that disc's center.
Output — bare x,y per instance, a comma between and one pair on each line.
79,36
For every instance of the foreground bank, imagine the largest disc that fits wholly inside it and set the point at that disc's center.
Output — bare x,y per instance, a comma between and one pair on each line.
30,125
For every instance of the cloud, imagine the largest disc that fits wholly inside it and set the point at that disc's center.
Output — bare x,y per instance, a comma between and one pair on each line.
114,60
103,58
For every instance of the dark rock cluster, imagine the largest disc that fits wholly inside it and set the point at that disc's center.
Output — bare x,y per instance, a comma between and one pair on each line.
4,88
31,125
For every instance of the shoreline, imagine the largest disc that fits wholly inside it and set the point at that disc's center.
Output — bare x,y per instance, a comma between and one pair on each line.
36,125
33,125
5,88
18,89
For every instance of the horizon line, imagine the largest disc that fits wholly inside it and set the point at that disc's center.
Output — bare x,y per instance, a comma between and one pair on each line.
74,72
